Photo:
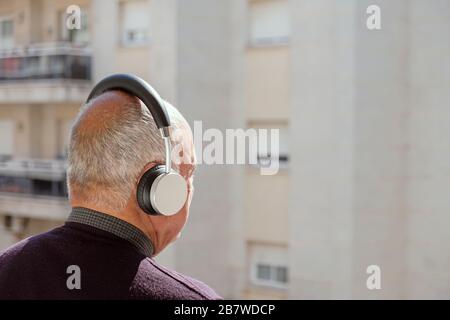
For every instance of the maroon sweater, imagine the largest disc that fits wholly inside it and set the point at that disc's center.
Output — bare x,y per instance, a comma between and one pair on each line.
110,268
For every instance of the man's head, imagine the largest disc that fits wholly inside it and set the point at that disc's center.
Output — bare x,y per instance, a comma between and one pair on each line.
113,141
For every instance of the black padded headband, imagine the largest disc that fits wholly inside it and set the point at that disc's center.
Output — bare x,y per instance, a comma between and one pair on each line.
139,88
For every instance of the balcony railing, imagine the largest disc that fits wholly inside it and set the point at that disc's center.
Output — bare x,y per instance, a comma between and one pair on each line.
46,169
33,188
45,61
33,177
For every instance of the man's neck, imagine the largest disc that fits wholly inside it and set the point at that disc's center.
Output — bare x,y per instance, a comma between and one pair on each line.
127,214
113,225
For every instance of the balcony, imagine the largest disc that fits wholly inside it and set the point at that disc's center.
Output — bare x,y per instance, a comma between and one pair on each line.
52,169
33,188
45,73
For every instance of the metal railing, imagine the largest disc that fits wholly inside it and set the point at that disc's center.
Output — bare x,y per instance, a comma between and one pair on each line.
46,177
45,61
46,169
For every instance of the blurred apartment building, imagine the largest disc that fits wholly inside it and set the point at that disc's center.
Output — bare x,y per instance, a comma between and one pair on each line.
354,107
46,71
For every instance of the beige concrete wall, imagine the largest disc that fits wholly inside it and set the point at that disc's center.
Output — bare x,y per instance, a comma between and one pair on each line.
427,250
6,238
32,227
162,60
36,134
7,7
36,226
264,294
321,150
381,150
36,137
267,83
45,208
105,16
37,20
54,118
36,25
378,193
205,72
20,115
133,60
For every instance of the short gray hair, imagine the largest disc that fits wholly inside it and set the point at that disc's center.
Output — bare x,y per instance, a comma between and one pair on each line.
110,160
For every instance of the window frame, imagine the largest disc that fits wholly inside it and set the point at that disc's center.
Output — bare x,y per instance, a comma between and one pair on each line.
123,42
270,41
266,254
272,281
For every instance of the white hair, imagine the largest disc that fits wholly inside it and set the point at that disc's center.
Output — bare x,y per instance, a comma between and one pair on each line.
105,164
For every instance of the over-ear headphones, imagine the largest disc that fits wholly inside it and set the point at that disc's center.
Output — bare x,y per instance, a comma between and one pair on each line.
160,190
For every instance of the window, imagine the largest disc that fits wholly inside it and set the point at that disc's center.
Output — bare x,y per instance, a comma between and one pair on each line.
134,23
264,156
6,33
269,22
74,35
271,275
281,274
268,265
263,272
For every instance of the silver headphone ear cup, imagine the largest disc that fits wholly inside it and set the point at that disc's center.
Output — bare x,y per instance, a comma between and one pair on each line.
168,193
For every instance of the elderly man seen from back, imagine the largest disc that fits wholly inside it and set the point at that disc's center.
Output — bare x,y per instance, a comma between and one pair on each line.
105,248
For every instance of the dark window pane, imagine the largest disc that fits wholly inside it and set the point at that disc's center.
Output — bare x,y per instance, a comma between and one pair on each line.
281,274
7,28
263,272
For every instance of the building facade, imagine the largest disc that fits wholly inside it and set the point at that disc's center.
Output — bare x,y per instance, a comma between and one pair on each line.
361,118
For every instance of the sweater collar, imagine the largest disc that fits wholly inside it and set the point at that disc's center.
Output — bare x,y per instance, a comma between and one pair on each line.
113,225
